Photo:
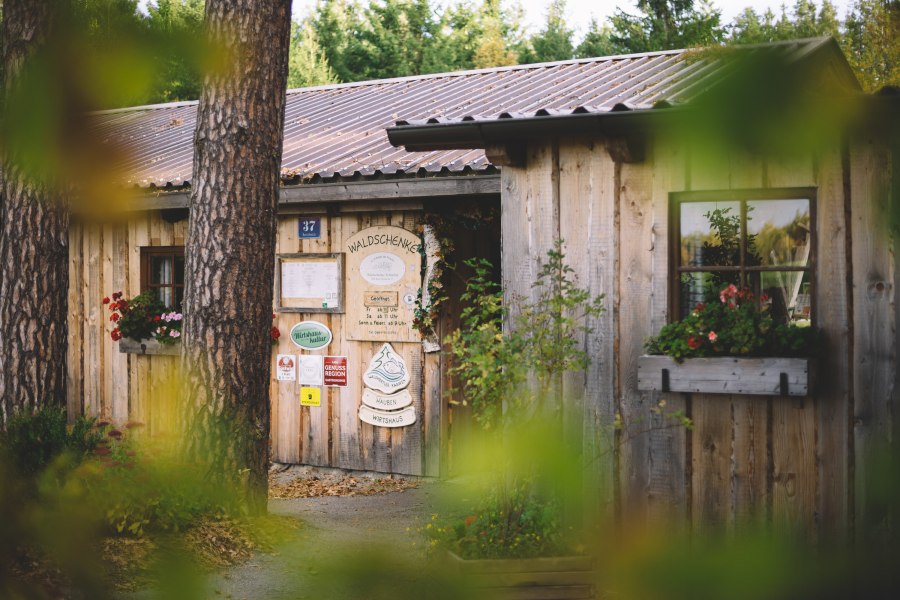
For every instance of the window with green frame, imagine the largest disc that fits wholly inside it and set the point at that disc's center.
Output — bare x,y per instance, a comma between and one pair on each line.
762,239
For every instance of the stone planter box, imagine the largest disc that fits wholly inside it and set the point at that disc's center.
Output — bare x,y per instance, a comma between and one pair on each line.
559,578
725,375
151,347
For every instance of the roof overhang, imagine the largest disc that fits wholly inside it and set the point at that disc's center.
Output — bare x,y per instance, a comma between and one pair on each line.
487,133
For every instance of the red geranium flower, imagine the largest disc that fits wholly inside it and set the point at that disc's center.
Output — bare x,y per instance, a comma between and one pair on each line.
117,295
694,343
114,317
116,335
106,300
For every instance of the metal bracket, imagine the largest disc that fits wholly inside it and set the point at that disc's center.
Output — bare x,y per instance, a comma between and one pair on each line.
665,380
783,383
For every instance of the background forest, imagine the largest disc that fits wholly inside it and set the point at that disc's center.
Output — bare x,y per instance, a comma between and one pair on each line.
353,40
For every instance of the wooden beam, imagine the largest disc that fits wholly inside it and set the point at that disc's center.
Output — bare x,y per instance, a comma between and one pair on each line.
506,155
627,149
471,186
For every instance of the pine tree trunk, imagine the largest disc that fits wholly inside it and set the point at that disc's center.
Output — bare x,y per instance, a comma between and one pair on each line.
230,256
34,252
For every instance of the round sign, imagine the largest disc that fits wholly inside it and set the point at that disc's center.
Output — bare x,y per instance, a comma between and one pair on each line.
310,335
382,268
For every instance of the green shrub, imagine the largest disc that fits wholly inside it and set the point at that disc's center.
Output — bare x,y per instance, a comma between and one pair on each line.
34,439
138,490
513,521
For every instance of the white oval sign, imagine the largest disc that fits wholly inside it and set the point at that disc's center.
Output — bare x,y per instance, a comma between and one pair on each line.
380,418
382,268
386,401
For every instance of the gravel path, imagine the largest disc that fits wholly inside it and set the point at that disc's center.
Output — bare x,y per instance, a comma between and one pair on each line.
350,547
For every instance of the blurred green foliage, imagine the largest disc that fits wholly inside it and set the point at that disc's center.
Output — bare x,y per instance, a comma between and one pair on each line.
35,439
543,339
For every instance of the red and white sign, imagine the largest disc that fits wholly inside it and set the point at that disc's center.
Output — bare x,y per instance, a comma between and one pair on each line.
336,371
287,367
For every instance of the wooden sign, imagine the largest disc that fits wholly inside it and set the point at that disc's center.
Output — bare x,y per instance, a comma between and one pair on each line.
384,271
380,418
386,401
387,371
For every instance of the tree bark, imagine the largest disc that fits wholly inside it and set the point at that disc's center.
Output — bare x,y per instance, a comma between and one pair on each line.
230,254
34,252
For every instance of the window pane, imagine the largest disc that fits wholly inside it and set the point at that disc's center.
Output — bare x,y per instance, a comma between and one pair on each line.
161,269
778,233
710,234
179,270
165,295
695,288
788,294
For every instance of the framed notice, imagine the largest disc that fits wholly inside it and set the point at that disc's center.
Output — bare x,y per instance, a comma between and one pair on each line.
309,283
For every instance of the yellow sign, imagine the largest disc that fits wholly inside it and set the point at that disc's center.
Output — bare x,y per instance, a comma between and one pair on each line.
310,396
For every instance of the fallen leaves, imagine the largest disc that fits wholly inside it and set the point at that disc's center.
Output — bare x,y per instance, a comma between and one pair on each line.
347,485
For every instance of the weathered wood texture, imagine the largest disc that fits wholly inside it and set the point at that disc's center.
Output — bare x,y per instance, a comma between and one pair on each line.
804,463
136,385
724,375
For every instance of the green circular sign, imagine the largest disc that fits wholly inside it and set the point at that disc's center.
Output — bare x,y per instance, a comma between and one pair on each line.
310,335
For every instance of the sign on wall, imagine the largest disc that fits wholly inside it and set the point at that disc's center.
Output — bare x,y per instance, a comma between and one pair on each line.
310,369
310,396
386,401
310,335
380,418
384,274
335,371
309,283
387,371
286,365
309,228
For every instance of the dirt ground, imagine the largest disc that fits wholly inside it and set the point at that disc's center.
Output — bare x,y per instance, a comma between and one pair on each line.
360,538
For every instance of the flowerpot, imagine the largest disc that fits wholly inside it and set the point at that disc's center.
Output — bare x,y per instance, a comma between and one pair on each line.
725,375
562,577
149,346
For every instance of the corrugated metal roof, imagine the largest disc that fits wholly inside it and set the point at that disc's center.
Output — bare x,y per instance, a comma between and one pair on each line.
339,130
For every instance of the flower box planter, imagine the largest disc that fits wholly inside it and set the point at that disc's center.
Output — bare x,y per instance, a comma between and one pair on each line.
562,578
151,347
725,375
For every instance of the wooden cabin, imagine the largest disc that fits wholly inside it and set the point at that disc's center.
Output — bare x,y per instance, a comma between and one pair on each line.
629,190
582,151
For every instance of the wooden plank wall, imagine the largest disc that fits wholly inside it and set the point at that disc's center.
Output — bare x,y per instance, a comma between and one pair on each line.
125,387
802,464
103,382
332,435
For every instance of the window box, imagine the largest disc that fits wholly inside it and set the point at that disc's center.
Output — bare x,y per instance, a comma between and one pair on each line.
563,577
151,347
725,375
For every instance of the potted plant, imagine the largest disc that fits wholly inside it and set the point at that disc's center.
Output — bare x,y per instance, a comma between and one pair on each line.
729,345
143,324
